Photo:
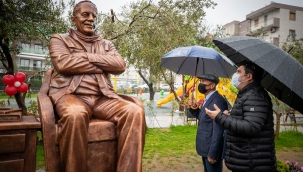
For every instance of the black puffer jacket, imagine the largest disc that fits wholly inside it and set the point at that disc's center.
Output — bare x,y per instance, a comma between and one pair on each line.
250,138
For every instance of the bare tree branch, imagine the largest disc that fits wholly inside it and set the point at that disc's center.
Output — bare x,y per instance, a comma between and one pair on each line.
4,62
135,16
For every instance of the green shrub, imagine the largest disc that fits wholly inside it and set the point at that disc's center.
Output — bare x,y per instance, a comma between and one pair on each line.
36,83
282,166
2,103
33,108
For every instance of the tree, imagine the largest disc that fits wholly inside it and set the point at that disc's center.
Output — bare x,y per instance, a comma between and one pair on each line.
295,48
279,108
146,30
26,21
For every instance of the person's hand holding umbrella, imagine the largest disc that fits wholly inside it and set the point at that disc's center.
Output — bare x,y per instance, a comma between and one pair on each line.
191,103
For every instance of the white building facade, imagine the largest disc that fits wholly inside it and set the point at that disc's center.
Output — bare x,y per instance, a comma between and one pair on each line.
31,59
277,21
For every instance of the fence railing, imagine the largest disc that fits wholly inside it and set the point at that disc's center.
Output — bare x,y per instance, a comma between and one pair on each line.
33,51
30,68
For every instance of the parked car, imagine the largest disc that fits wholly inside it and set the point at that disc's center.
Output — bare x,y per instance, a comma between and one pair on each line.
177,85
164,87
130,88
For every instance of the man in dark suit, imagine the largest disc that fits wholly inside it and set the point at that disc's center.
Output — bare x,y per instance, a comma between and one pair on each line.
209,139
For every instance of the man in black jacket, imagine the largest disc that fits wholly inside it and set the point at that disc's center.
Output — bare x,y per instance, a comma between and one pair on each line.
209,139
250,138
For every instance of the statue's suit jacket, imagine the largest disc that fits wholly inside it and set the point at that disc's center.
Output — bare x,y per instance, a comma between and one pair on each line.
72,61
209,139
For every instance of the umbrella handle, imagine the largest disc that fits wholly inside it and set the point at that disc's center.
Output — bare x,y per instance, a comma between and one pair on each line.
194,107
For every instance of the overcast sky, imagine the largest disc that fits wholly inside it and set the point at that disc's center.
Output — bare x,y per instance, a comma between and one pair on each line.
226,10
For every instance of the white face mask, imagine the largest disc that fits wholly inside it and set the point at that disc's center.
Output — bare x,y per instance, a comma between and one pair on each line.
235,80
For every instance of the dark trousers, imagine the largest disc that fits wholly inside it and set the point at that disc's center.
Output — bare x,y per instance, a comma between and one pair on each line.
208,167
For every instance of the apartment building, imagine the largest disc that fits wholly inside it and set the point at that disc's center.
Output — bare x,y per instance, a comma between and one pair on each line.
231,29
277,21
31,59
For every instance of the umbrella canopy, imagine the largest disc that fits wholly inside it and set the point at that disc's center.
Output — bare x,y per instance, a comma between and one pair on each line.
197,60
283,73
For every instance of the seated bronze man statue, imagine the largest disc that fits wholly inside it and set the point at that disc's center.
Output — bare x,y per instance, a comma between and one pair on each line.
80,89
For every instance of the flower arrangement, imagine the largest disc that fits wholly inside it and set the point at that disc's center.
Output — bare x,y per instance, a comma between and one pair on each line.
294,167
14,83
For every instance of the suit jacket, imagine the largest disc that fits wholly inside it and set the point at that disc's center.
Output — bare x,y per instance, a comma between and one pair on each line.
71,61
209,139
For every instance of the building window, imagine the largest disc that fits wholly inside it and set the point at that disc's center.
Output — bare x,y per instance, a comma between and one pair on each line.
37,63
24,62
26,46
38,47
265,20
292,16
256,22
292,35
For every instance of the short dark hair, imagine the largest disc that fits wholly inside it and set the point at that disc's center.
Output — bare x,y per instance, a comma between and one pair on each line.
77,6
250,67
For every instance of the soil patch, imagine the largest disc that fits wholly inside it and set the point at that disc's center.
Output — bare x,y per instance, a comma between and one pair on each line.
193,162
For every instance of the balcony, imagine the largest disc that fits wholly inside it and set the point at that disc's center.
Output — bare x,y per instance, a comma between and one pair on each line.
270,23
33,51
30,68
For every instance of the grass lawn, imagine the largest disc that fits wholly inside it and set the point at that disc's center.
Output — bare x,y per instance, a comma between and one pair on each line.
4,96
175,148
290,139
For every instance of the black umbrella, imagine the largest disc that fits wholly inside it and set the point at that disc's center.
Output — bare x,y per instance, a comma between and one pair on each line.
283,73
197,60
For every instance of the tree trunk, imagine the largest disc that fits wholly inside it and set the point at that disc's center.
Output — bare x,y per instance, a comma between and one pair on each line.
278,117
21,103
8,62
151,93
150,86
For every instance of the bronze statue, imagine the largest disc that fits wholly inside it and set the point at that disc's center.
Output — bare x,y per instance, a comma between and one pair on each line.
80,88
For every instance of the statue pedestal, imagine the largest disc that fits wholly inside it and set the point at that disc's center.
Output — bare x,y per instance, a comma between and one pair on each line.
18,144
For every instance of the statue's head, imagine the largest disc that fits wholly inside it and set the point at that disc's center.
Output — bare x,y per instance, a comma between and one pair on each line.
85,17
